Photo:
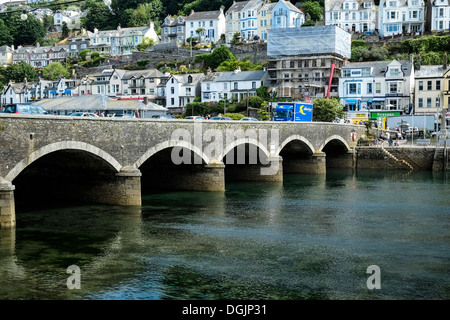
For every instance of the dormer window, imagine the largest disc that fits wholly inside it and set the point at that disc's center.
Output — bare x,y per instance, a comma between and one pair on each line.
367,4
190,79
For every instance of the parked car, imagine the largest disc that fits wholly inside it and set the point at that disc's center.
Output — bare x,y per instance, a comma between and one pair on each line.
194,118
24,108
249,119
220,118
83,114
164,116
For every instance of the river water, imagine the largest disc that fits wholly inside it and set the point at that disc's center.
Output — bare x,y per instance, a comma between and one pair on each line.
310,237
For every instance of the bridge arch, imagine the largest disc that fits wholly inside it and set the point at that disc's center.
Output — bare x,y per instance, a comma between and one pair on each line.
243,141
337,138
295,137
170,144
63,145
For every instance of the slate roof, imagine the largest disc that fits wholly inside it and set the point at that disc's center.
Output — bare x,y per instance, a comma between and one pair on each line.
379,66
204,15
240,76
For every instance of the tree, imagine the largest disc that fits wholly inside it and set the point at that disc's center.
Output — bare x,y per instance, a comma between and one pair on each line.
144,13
19,71
65,30
327,110
314,9
54,70
214,59
5,36
24,32
98,16
147,42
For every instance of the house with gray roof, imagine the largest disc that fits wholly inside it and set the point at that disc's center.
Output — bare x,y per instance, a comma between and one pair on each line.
40,57
16,92
101,104
429,89
141,83
173,30
377,86
122,40
208,25
235,85
286,15
182,89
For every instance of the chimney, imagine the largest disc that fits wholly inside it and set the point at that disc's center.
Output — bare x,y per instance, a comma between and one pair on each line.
146,101
418,61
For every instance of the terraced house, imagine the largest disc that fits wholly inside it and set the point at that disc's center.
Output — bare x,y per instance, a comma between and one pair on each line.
351,15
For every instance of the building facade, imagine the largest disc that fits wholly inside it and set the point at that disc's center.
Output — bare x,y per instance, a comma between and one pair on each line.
401,16
351,15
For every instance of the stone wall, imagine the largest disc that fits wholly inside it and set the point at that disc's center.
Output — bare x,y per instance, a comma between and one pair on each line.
420,158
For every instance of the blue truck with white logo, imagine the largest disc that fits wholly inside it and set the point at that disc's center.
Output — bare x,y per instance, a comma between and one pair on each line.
293,111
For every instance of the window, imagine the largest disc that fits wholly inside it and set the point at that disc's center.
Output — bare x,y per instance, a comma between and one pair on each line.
393,87
429,85
438,103
369,88
235,85
253,85
354,88
428,102
420,85
395,72
438,84
420,102
377,87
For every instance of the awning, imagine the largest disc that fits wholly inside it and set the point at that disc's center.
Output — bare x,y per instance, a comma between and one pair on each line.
53,91
352,101
67,91
379,99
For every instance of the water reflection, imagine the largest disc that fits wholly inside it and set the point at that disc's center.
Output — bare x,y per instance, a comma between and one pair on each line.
311,237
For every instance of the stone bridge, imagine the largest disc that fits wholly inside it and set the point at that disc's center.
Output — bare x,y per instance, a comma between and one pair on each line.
106,160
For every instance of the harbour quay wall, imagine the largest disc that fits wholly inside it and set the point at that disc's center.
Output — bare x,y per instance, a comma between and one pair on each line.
401,158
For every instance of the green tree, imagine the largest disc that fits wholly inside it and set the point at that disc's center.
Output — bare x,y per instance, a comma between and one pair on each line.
313,9
19,71
65,30
98,16
5,36
144,13
24,32
327,110
147,42
54,70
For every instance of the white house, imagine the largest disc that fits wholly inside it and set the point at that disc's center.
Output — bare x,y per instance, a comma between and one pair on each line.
6,55
182,89
208,25
351,15
438,15
122,40
19,92
400,16
286,15
235,85
141,83
70,17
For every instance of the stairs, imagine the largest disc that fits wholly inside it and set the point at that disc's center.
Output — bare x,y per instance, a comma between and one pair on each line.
390,155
